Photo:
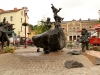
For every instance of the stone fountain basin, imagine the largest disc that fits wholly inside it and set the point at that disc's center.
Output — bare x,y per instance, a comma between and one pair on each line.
76,52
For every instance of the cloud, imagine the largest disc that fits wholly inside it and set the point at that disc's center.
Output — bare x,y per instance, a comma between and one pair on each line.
71,9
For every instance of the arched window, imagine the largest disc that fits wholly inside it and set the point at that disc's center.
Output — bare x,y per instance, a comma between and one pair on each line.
90,27
78,28
83,27
69,29
74,29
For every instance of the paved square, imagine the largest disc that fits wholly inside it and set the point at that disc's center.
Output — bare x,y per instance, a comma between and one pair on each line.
29,62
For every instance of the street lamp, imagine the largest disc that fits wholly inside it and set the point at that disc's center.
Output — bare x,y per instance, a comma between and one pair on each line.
99,21
99,14
25,14
28,34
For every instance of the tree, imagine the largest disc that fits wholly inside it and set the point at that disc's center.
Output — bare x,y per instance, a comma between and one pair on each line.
40,28
31,26
34,27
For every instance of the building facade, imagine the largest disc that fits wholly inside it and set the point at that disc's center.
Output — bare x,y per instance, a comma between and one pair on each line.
71,28
16,17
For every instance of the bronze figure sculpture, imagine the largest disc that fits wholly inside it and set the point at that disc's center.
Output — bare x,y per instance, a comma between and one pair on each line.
53,39
48,23
84,39
4,27
56,17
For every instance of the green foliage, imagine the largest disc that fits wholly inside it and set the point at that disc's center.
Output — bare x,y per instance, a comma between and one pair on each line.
40,28
90,46
8,49
69,44
34,27
99,21
31,26
98,48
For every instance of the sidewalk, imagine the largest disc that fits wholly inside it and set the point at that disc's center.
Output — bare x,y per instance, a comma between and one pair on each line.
29,62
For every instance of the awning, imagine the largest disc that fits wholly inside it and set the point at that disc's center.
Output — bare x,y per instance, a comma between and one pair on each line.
79,31
10,32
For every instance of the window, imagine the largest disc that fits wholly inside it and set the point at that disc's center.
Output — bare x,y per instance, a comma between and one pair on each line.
63,29
78,28
21,28
70,29
11,18
21,20
22,13
83,27
74,29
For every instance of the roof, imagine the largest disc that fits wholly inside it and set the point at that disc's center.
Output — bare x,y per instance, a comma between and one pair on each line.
91,20
97,26
8,11
64,22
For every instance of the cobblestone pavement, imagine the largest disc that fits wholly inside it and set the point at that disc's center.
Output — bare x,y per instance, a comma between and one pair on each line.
29,62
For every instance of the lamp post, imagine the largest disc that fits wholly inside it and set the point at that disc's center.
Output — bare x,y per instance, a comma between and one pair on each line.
28,34
99,28
99,14
25,14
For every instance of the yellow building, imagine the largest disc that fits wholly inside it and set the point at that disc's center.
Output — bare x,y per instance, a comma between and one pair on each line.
71,27
16,17
32,33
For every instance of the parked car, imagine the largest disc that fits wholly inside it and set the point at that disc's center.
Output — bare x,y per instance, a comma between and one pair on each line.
29,41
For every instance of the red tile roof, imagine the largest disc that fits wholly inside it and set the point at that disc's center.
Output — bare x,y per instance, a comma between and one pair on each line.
97,26
8,11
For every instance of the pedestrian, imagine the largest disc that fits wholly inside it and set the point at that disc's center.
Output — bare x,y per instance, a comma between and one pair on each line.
11,40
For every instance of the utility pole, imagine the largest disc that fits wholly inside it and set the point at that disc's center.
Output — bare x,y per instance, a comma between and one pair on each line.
0,15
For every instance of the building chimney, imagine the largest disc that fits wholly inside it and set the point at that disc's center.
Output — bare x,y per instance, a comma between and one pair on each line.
88,19
80,19
2,10
15,8
22,7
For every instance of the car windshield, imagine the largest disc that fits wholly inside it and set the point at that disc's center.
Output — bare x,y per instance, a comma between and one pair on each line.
28,39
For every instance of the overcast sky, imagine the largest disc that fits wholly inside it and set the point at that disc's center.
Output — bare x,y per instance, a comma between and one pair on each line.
71,9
